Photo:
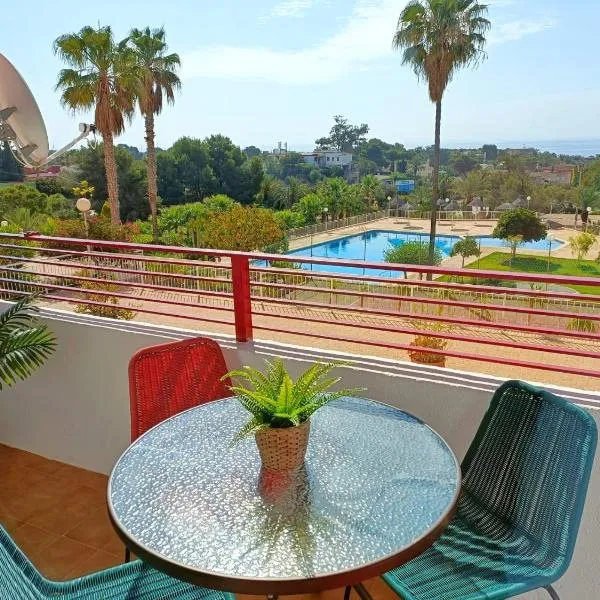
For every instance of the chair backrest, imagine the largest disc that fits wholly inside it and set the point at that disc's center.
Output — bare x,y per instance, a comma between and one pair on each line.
530,465
168,379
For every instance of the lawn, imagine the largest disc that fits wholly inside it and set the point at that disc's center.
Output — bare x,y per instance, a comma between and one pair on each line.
500,261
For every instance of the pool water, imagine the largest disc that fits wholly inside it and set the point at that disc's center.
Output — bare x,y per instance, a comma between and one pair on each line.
371,246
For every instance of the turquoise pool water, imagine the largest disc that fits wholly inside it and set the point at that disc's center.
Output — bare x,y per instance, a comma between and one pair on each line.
371,246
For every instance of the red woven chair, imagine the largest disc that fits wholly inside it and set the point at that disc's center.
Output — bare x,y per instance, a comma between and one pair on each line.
168,379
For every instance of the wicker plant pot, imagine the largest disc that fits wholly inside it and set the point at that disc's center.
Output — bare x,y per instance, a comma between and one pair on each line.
283,449
424,358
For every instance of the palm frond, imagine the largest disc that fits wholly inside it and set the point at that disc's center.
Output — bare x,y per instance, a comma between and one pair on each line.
23,352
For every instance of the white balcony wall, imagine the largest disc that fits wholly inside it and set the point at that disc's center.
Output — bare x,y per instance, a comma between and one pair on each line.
76,408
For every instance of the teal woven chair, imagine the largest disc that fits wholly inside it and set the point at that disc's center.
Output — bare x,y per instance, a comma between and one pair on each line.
20,580
525,479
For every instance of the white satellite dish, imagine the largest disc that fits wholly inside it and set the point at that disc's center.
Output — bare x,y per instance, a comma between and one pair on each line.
21,122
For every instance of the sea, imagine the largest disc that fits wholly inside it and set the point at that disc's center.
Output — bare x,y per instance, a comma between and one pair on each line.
590,147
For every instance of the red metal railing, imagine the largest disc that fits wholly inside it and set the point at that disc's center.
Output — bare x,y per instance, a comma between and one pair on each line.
543,324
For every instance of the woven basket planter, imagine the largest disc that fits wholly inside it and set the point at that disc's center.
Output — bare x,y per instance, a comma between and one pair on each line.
283,449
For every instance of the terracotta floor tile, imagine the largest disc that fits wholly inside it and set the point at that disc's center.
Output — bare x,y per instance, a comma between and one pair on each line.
96,562
61,558
10,523
95,530
43,465
62,519
68,473
32,539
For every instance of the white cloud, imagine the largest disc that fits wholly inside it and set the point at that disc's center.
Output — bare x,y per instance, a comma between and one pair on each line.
291,8
515,30
364,39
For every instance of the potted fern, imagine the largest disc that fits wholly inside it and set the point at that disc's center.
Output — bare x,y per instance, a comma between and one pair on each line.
281,409
25,345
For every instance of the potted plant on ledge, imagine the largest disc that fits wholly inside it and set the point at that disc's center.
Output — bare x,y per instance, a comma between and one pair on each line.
281,409
423,343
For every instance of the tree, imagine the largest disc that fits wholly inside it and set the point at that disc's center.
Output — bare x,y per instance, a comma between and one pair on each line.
10,169
466,247
158,79
343,137
581,244
311,207
412,253
437,38
21,196
242,228
272,193
490,152
461,163
83,189
289,219
371,191
101,76
340,198
252,151
219,203
518,226
133,203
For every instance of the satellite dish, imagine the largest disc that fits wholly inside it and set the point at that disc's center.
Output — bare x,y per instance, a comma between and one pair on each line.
21,122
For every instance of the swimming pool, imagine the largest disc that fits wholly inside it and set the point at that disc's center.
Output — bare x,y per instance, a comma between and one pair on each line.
371,246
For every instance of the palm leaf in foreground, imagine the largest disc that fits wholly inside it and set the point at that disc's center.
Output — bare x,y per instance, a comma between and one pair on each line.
23,348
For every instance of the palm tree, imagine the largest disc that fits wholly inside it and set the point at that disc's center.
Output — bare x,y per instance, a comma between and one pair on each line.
438,37
100,77
370,188
157,72
24,344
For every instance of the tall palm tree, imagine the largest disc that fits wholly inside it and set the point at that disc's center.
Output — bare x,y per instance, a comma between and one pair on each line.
100,77
157,72
438,37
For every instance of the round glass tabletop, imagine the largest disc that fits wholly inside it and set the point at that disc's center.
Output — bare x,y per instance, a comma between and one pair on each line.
378,487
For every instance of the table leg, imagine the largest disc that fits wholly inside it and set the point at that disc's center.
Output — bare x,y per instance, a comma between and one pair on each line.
347,593
362,591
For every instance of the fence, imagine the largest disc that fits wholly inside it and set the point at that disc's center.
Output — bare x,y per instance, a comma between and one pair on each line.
337,224
465,313
456,215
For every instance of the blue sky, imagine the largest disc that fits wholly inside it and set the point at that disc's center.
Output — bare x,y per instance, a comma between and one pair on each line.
261,71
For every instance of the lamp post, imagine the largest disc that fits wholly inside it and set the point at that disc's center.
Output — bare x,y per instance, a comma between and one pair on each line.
83,205
389,201
550,239
325,213
589,212
528,202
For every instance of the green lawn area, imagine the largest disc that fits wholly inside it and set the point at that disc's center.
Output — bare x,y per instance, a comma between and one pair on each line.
500,261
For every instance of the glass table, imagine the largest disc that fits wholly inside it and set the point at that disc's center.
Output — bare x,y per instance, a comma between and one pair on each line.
377,489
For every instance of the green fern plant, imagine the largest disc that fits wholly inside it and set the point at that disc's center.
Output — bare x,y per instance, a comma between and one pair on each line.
275,401
25,345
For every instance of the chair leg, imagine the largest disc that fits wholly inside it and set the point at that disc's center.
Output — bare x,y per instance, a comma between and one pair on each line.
127,555
347,593
553,593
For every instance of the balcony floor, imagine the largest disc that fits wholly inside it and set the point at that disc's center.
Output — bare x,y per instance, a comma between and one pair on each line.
57,515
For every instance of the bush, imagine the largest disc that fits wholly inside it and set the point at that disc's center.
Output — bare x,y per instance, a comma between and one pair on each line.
109,307
412,253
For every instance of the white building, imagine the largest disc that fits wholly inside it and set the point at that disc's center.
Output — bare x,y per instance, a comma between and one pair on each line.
328,158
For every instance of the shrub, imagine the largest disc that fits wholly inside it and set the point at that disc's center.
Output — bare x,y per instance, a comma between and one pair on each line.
412,253
108,306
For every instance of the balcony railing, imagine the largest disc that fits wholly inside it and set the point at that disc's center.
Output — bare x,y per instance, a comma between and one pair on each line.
542,324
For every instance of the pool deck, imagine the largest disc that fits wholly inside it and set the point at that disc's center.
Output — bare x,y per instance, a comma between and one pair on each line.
454,228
